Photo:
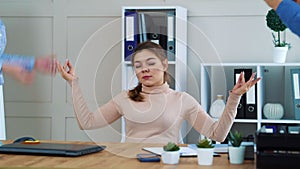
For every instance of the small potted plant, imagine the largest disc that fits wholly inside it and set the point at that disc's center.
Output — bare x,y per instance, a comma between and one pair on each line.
171,153
236,150
281,46
205,152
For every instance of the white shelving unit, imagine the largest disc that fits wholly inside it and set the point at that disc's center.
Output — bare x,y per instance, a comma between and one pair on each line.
2,116
274,87
177,65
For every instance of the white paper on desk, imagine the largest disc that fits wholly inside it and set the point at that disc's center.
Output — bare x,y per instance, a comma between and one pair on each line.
184,151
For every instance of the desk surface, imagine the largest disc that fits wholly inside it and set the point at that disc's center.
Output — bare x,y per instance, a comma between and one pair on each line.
116,155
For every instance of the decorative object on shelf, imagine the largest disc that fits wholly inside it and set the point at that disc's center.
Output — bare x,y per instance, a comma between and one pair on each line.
205,152
236,151
171,153
273,111
217,107
281,46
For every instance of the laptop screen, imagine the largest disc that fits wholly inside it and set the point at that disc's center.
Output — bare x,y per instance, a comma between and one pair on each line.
53,149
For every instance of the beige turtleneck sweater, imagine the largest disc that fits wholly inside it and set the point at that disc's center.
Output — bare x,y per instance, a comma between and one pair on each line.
158,119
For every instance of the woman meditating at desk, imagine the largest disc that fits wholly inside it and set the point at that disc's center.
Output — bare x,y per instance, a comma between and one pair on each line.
154,112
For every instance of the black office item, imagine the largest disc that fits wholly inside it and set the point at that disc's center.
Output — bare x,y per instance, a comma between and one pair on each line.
50,149
148,157
247,107
241,110
277,147
23,139
153,27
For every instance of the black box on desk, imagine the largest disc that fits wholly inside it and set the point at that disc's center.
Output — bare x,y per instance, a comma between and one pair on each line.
278,147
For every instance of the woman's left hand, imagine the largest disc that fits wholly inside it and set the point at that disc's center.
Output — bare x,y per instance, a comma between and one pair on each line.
241,86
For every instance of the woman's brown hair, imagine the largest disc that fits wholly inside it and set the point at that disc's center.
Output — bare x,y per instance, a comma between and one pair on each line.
134,94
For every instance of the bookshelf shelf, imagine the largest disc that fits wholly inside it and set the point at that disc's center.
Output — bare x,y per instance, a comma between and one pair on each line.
274,87
169,25
245,121
281,121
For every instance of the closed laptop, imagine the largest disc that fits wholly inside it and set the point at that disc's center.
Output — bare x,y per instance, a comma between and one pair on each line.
51,149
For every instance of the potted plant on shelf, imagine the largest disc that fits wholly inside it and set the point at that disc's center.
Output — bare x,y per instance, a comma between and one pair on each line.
280,45
205,152
235,150
171,153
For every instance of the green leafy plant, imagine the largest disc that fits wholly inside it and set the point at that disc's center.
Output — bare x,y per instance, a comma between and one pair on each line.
205,143
171,147
235,138
275,24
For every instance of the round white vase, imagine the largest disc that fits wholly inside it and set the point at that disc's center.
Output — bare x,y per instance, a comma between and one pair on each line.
273,111
279,54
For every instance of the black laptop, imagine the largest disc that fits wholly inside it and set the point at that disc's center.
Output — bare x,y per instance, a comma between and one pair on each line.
50,149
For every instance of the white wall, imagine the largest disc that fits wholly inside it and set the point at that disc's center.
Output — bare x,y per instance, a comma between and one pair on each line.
218,30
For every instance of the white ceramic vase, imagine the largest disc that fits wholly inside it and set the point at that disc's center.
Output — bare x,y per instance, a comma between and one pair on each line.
170,157
273,111
217,107
236,154
279,54
205,156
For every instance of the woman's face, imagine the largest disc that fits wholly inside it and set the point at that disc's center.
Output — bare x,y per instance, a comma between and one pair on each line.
149,68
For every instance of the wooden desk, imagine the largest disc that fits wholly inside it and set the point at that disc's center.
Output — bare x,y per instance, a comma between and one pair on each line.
115,156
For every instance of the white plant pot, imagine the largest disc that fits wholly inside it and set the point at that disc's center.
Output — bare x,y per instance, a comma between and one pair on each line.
170,157
205,156
236,154
279,54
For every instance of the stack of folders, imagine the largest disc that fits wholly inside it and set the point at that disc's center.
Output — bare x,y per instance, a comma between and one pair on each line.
247,108
150,25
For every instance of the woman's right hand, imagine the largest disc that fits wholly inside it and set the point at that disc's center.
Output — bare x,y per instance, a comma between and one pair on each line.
66,71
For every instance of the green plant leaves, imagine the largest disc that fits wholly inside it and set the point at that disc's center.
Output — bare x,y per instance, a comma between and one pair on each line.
205,143
274,22
235,138
171,147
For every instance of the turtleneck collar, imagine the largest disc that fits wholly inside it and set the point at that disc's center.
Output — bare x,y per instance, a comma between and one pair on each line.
156,89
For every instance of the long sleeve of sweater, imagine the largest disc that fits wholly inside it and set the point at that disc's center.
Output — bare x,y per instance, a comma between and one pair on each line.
289,13
216,130
158,118
87,119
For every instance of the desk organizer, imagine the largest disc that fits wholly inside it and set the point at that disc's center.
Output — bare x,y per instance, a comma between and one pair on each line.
278,147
